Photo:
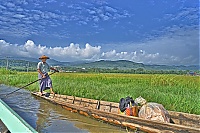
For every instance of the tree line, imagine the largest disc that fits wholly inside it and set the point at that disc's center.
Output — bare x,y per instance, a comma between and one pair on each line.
130,71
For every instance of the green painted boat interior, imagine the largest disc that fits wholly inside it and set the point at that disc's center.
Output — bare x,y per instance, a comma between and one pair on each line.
13,121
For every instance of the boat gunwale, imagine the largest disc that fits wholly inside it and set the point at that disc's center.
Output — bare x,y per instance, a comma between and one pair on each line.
24,126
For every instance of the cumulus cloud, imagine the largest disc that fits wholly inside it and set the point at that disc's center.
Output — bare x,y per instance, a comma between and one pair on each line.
8,49
73,52
139,56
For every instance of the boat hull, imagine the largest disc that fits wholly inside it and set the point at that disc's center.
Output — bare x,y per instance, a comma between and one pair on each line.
108,112
12,121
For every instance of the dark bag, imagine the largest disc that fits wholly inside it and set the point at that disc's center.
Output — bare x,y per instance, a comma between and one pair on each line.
124,103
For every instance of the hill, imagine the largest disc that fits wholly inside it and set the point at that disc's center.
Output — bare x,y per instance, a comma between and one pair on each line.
104,64
124,64
121,64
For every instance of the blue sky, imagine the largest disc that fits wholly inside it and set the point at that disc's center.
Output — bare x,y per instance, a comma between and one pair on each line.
148,31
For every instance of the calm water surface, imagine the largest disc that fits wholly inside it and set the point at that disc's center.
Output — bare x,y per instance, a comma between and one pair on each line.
46,117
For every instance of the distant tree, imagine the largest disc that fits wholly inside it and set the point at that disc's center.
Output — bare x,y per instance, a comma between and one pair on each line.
115,68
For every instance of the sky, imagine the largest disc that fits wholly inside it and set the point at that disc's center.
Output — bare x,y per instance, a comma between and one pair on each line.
164,32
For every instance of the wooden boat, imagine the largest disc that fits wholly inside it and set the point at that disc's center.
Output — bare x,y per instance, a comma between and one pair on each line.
108,112
12,122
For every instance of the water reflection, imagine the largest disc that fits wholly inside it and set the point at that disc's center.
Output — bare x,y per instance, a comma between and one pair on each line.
22,103
47,117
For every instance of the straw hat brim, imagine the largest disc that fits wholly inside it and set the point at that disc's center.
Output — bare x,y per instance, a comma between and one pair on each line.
44,57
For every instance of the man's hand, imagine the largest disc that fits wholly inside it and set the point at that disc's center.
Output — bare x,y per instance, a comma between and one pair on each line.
55,70
43,76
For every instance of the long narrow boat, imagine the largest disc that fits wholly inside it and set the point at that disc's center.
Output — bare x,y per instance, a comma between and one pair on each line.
12,122
108,112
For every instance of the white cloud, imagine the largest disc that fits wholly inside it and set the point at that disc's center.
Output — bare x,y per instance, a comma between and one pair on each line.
91,11
50,1
136,56
8,49
62,4
23,2
2,7
74,52
19,16
82,23
110,9
9,4
185,14
69,53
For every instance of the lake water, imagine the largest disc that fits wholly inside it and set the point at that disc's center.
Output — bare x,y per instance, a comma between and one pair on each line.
46,117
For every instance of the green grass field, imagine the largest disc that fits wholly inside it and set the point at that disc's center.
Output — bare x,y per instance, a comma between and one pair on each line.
176,92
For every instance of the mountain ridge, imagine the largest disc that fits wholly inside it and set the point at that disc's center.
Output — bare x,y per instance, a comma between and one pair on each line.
104,64
125,64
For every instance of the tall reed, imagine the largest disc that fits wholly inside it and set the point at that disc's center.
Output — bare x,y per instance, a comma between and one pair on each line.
175,92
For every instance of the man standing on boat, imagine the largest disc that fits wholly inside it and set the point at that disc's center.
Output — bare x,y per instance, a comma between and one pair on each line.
43,69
